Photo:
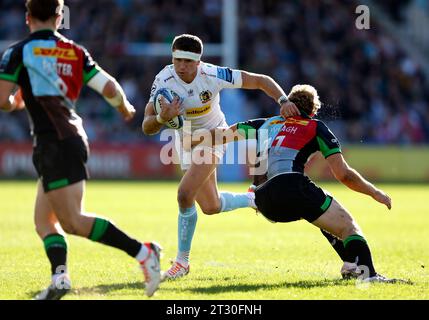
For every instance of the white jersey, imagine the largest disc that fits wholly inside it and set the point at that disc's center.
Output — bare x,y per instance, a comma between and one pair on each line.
201,96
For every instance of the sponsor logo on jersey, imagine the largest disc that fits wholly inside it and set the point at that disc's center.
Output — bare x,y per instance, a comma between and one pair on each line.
297,121
205,96
169,78
277,122
196,112
60,53
291,121
203,73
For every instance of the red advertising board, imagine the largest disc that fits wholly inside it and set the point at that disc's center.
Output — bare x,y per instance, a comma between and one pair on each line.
106,161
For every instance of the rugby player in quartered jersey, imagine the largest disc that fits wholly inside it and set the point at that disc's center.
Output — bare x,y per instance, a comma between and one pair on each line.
291,141
285,145
198,84
51,70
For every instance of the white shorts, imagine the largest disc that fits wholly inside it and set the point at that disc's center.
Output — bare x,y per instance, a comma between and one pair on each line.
187,157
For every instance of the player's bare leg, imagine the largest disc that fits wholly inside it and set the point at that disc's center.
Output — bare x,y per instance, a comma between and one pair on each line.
211,201
45,220
208,196
192,181
52,235
67,204
199,184
338,221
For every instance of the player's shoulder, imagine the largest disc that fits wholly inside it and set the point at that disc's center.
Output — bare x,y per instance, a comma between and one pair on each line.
274,120
16,46
13,52
319,123
62,38
217,72
264,123
208,69
66,43
166,74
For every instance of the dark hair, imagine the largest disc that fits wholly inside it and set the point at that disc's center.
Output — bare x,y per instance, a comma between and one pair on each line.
188,42
44,10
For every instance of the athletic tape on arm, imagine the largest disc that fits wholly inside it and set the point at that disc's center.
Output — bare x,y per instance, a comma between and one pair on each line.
99,81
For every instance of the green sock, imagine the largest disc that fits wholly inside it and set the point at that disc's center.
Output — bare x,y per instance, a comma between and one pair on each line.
105,232
357,251
56,250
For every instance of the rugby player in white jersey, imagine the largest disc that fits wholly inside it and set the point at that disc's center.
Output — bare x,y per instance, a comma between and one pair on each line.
198,84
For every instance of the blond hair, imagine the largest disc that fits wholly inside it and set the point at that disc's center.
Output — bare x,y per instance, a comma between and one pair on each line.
305,98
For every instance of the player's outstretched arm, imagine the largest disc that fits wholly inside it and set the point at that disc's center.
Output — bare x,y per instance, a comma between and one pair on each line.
216,136
152,122
113,93
9,102
352,179
272,89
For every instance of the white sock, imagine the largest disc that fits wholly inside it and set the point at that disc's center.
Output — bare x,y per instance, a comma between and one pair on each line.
143,253
183,258
231,201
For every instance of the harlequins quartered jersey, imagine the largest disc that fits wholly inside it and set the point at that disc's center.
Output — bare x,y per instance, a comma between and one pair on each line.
201,96
289,143
51,70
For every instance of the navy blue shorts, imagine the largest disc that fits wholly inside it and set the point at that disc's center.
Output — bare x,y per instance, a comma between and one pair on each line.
60,163
290,197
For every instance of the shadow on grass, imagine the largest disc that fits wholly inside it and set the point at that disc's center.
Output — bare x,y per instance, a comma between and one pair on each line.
101,289
104,289
305,284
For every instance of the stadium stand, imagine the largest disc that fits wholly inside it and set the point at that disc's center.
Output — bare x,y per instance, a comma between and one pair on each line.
370,86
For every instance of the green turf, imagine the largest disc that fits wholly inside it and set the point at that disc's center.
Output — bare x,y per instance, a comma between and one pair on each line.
236,255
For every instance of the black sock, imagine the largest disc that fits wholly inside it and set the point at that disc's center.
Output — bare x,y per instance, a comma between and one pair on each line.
56,250
105,232
357,251
336,243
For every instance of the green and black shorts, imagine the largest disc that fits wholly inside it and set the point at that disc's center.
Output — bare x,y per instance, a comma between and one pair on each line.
290,197
60,163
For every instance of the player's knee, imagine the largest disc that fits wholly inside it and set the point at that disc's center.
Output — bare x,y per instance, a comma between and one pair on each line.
349,230
209,210
45,228
71,226
185,198
41,230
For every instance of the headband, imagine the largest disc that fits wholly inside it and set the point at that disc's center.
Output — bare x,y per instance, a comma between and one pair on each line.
179,54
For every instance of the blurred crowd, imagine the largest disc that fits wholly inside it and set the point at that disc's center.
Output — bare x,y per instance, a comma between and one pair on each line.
371,90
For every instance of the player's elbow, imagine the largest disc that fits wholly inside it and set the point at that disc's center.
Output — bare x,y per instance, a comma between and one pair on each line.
341,171
145,129
340,176
3,105
344,175
109,90
148,130
4,100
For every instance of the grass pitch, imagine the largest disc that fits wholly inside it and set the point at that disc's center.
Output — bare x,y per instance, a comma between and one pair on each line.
235,255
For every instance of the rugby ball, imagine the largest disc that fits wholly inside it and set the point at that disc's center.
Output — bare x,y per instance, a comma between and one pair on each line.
169,95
